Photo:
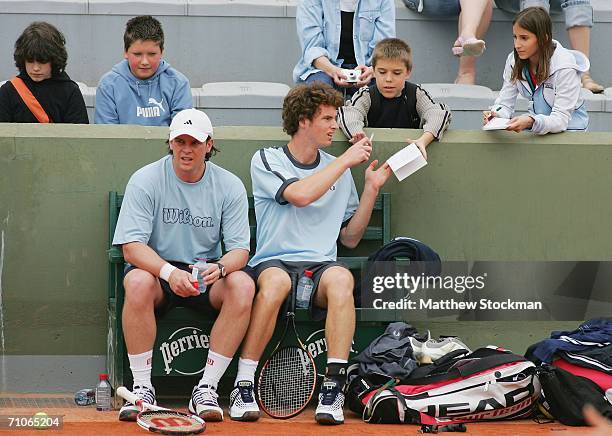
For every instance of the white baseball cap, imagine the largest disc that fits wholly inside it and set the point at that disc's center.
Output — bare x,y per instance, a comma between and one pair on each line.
191,122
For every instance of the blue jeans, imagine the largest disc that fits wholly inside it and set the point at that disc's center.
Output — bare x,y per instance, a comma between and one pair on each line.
577,12
435,8
321,76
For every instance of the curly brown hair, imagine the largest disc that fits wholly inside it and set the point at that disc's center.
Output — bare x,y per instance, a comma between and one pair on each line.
41,42
143,28
303,102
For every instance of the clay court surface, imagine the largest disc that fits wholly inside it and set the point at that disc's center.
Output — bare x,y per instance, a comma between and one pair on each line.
88,421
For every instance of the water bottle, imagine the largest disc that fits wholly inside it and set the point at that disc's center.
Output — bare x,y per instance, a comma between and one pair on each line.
199,268
103,393
85,397
304,290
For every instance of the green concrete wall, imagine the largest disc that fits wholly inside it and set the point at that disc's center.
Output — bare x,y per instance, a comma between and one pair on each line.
483,196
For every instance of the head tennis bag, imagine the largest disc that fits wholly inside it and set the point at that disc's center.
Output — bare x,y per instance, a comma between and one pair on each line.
488,384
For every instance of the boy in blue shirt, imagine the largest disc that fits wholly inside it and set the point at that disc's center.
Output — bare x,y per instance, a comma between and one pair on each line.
143,88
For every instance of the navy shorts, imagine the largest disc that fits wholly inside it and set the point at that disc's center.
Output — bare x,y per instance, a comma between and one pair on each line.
295,270
200,303
436,8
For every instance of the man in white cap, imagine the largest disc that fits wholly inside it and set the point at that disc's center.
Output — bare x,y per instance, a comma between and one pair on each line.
174,211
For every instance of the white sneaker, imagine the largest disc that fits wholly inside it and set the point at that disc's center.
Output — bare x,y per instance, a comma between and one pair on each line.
129,411
436,349
204,403
331,400
417,348
243,406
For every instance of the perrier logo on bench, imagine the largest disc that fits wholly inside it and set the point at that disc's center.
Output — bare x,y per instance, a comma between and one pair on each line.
182,348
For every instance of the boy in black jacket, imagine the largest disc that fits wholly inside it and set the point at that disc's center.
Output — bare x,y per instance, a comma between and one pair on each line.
394,102
40,55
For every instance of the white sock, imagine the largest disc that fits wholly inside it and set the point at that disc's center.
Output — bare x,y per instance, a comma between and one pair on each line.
141,364
216,365
334,360
246,370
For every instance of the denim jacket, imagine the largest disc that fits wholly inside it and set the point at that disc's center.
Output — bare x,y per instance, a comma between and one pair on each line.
318,28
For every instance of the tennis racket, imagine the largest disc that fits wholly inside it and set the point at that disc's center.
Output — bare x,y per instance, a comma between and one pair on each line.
287,379
161,420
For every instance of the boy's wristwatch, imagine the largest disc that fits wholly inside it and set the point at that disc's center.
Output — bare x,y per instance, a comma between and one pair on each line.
221,269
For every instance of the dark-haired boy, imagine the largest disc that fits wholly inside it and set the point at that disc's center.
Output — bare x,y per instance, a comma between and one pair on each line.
394,102
305,201
143,88
40,56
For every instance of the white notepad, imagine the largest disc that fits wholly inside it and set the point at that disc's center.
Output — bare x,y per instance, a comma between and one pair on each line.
496,124
406,161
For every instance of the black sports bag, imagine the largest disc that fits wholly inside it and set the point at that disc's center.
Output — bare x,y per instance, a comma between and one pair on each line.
564,395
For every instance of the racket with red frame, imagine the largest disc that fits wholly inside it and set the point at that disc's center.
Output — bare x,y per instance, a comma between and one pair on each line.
288,378
161,420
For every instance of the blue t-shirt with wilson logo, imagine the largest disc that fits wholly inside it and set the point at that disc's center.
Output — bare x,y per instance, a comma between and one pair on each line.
182,221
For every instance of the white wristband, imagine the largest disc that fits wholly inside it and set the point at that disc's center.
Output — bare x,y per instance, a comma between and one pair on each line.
165,271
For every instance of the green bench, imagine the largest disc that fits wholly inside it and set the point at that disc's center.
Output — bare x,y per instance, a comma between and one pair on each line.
182,334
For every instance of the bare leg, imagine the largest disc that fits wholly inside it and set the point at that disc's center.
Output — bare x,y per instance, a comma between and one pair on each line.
335,292
142,293
580,39
473,14
274,285
233,295
485,20
466,74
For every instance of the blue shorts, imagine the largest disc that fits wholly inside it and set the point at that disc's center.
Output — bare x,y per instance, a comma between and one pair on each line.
435,8
577,12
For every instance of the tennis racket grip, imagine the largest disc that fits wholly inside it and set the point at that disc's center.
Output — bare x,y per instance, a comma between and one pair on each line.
292,295
128,395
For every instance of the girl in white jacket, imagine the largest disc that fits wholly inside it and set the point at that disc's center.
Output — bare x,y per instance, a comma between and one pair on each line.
546,74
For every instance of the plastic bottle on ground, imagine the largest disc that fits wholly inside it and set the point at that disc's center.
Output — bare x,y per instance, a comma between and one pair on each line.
85,397
103,394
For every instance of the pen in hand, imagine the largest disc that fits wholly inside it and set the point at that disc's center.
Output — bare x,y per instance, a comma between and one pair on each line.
493,114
